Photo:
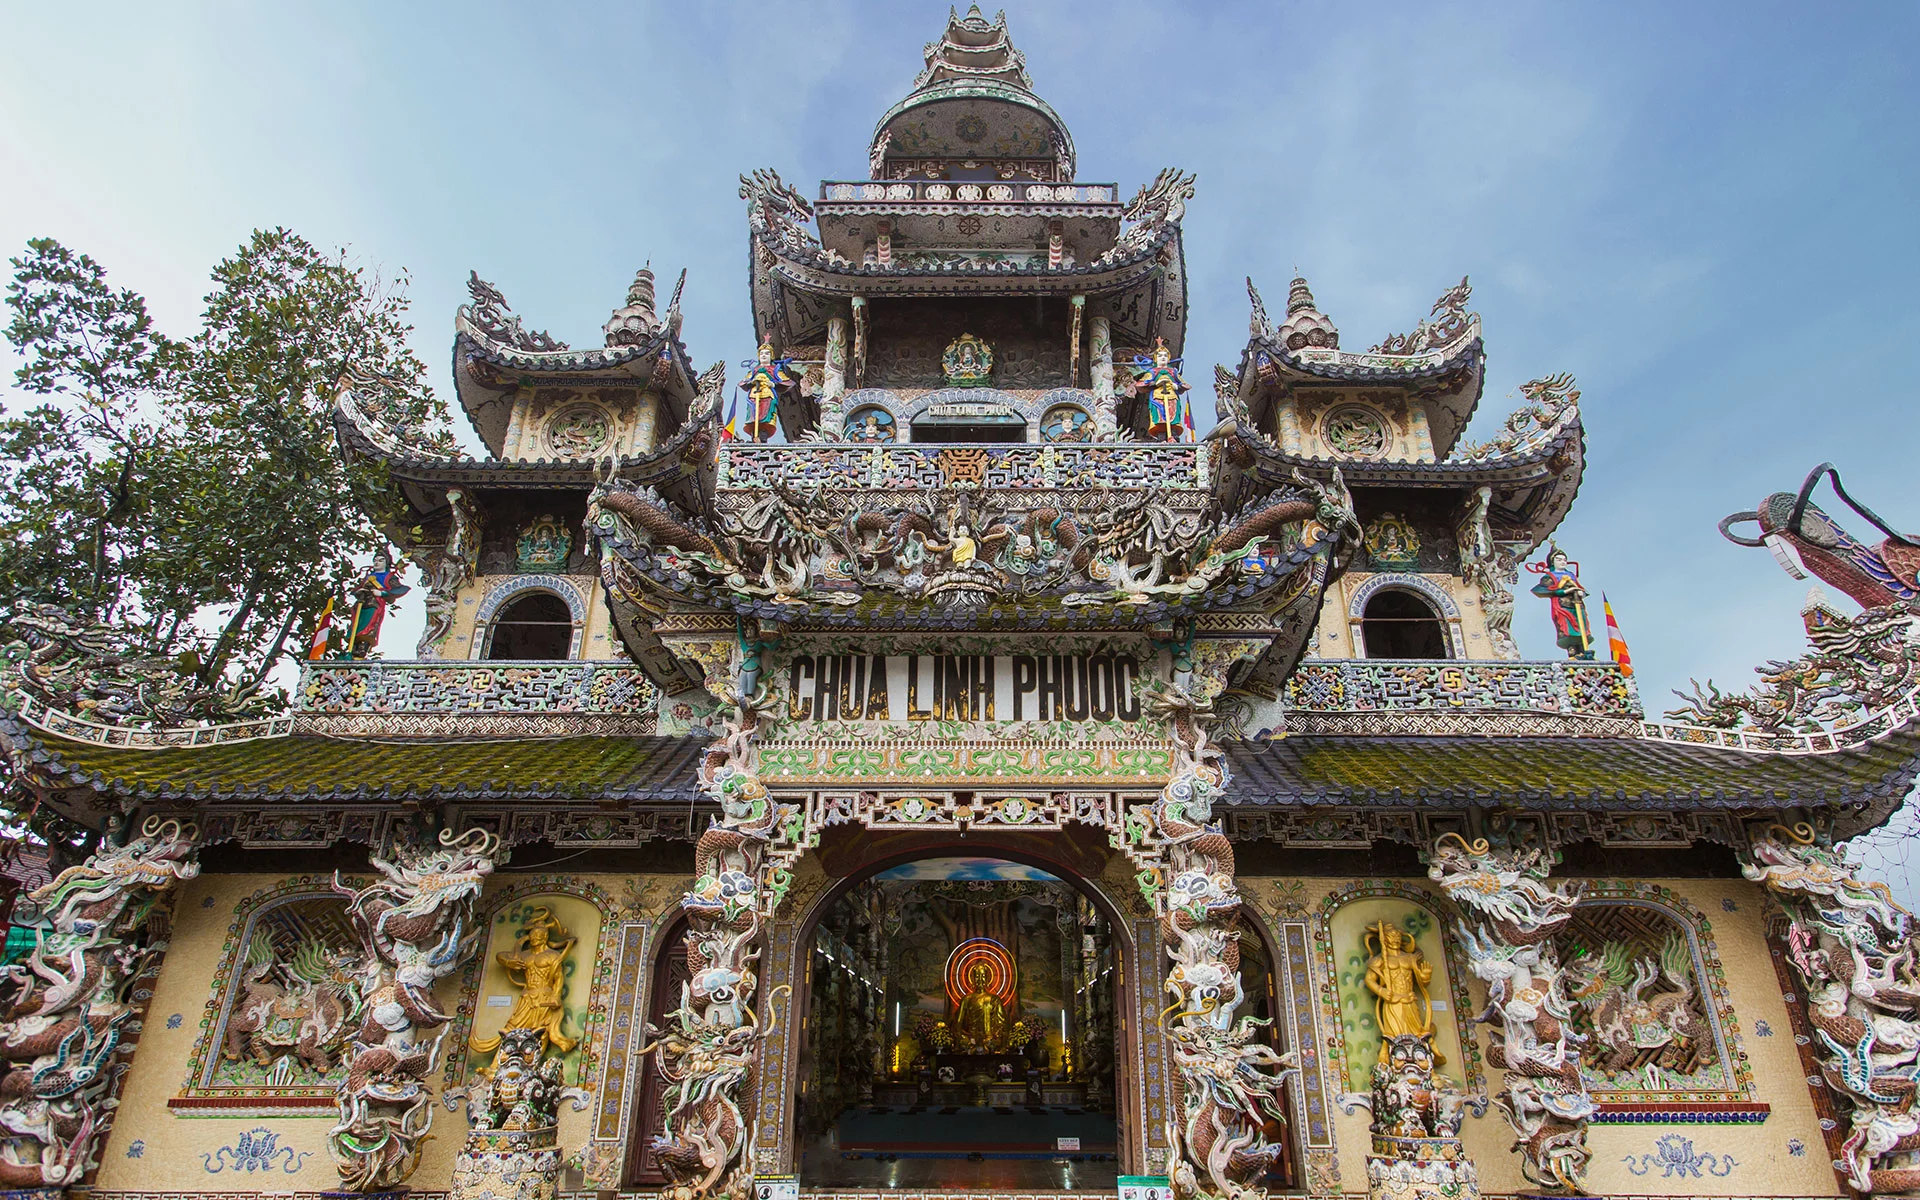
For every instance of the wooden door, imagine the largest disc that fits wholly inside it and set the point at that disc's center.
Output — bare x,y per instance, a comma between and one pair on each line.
649,1114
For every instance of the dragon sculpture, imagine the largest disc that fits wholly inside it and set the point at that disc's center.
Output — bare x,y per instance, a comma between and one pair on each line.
415,924
1854,950
1549,403
67,1005
88,670
707,1049
1449,319
1153,209
778,212
1230,1082
807,547
490,315
1857,666
1509,914
1875,576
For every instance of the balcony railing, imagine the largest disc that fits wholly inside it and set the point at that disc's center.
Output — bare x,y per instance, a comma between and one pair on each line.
940,191
1018,465
1533,697
434,699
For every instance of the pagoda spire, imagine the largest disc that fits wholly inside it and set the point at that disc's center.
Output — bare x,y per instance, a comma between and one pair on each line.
974,48
1306,325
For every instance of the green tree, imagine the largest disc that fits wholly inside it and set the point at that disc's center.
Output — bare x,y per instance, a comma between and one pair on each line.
189,493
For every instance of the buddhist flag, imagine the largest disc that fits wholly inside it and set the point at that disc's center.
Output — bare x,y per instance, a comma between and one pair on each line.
322,631
730,432
1616,643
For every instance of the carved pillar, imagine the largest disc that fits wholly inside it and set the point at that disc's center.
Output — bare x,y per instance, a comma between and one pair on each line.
646,423
1847,942
415,923
59,1042
834,383
710,1048
1508,916
860,342
1219,1148
1078,304
1100,363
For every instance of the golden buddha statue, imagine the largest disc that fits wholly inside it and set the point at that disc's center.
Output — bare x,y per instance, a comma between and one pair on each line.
1398,975
981,1017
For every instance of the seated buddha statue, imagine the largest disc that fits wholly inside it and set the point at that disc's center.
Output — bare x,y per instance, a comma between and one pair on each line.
981,1017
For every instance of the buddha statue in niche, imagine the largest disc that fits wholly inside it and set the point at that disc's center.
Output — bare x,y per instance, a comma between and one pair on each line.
981,1017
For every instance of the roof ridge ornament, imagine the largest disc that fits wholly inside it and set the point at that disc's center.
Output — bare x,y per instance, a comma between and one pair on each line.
1551,401
1450,319
493,318
1306,326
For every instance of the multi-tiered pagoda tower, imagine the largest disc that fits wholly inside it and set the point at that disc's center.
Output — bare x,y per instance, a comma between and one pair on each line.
938,762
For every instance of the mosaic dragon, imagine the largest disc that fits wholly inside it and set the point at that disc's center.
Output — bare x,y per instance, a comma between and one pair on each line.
67,1005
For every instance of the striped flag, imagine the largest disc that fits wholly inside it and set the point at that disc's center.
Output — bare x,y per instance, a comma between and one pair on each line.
322,630
1616,642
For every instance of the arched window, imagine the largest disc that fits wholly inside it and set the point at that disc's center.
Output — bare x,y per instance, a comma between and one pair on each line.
1401,624
534,626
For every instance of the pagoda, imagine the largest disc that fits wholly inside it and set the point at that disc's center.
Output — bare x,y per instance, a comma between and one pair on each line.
933,760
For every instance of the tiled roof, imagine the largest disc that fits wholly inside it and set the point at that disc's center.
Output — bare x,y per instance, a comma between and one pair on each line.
1311,770
635,769
1616,773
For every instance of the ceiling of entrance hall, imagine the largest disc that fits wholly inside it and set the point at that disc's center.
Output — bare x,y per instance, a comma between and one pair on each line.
967,869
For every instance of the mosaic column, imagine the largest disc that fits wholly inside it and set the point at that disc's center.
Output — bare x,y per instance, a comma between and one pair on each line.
1229,1082
834,384
859,341
1853,949
59,1039
1100,366
1508,916
709,1049
646,423
415,922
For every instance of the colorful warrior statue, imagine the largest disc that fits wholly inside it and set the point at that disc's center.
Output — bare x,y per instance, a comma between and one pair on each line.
1169,415
767,377
1566,600
372,596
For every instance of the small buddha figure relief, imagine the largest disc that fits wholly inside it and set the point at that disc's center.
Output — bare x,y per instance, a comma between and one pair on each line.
1398,975
981,1017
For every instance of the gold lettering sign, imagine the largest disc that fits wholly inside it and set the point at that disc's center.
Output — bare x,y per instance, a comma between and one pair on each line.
963,687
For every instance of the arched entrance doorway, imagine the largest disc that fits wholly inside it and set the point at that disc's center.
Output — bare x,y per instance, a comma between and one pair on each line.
964,1018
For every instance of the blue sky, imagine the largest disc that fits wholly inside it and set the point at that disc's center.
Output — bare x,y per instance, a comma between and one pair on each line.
1704,211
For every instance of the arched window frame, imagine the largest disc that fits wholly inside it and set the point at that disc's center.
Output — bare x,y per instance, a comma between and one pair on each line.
1420,586
502,597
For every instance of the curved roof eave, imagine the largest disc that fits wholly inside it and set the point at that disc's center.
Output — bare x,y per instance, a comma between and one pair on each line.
1466,351
1082,277
484,405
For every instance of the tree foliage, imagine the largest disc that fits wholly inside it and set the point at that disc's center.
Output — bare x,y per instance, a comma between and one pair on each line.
188,493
